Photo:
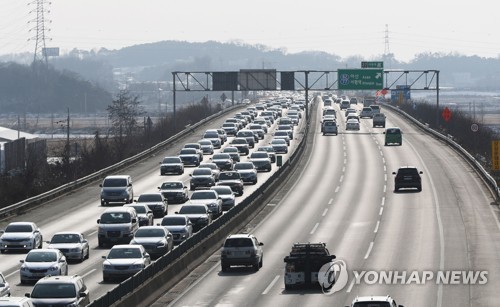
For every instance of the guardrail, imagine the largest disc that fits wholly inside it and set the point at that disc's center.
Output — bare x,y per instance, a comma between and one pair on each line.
172,267
479,168
18,208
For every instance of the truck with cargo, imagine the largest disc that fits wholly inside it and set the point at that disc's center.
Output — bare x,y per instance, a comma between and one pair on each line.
303,264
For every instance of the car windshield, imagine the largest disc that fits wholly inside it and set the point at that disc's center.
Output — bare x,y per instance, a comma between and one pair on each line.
259,155
211,135
243,165
41,257
173,221
221,157
281,133
54,290
188,151
124,253
407,171
65,238
149,197
19,228
212,166
114,182
190,209
202,171
392,131
139,209
115,218
203,195
267,149
172,185
278,142
222,190
205,143
239,141
229,176
149,232
230,149
191,145
231,125
238,242
171,160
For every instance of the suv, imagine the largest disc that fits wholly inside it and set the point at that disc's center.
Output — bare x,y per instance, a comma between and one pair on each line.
379,120
242,249
407,177
60,291
117,225
393,135
375,301
117,189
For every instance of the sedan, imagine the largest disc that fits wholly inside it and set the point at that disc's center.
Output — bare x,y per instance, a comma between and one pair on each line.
144,214
233,152
206,147
179,225
201,178
279,146
72,244
215,169
270,151
223,161
283,135
124,260
247,171
261,160
242,144
226,195
42,262
233,180
352,124
210,198
199,215
21,236
171,165
156,240
4,286
174,191
156,202
196,146
190,156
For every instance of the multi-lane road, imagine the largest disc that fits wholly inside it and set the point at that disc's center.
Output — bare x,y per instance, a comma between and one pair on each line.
343,197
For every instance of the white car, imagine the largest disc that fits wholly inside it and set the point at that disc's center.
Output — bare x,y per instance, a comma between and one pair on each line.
42,262
210,198
352,124
156,240
21,236
124,260
4,286
179,225
366,112
72,244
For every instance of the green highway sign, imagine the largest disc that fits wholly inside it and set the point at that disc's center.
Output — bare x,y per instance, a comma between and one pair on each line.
360,79
376,64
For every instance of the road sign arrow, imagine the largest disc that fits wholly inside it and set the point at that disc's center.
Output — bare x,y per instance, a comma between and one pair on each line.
378,76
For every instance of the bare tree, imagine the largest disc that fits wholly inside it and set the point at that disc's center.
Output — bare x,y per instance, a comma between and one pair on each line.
123,113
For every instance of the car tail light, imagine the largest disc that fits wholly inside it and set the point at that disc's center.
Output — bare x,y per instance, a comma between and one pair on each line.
290,268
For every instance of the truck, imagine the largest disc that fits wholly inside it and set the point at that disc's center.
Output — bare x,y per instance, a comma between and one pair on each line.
369,100
303,264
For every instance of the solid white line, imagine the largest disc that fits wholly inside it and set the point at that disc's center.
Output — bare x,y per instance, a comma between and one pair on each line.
271,285
314,228
369,250
376,227
350,286
92,233
15,272
330,201
324,212
271,205
381,211
89,272
337,189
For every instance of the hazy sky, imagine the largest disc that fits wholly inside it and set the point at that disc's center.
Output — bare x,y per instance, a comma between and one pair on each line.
343,28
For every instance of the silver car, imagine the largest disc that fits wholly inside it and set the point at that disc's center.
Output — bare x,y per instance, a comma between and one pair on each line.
157,240
156,202
124,261
180,227
42,262
227,196
21,236
242,249
72,244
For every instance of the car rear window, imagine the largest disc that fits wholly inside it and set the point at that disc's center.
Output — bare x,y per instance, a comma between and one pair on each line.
408,171
238,242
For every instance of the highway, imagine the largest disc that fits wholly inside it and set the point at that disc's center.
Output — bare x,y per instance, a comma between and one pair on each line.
80,210
344,197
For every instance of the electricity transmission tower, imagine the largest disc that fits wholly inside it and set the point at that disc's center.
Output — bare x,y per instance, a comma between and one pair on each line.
386,49
39,28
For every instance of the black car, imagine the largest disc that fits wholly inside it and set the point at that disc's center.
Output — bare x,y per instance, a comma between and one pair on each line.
202,178
223,161
174,191
242,144
199,215
171,165
407,177
233,180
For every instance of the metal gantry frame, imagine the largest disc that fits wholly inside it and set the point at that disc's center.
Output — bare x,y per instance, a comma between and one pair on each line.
307,80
